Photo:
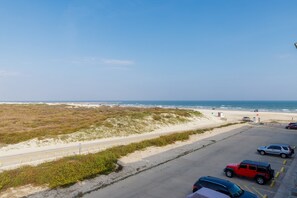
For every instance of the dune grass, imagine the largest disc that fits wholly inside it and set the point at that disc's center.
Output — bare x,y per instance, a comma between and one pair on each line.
27,121
69,170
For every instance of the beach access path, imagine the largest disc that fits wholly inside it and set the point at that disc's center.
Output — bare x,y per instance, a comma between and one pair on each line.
13,157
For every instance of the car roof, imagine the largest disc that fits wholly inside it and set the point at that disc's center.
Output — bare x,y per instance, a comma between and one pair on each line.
223,182
255,163
278,145
207,192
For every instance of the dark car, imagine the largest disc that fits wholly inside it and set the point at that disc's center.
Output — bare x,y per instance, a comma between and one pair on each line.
292,125
223,186
246,119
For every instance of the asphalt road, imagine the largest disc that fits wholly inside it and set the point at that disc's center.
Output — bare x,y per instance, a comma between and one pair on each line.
175,178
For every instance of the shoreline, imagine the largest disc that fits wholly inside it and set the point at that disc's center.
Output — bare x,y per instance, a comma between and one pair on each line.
93,104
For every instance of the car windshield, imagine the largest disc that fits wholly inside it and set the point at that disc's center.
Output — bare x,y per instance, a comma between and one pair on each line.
235,190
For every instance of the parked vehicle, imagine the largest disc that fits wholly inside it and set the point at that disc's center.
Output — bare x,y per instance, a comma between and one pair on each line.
207,193
260,171
223,186
246,119
292,125
283,150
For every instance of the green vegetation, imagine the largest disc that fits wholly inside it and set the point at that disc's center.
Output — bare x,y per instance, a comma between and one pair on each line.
27,121
70,170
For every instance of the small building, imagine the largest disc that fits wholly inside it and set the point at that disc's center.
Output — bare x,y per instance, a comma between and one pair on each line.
220,114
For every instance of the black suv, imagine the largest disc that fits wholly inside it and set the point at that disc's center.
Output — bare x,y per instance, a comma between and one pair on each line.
223,186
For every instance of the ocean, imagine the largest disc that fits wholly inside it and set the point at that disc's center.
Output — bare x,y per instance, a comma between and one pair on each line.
269,106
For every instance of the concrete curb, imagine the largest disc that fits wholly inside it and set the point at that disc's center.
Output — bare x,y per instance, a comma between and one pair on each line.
288,182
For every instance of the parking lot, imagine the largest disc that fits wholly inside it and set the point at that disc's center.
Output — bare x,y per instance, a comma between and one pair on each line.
175,178
268,190
243,146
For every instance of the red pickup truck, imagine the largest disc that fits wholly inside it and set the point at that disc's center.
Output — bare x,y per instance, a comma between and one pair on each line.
260,171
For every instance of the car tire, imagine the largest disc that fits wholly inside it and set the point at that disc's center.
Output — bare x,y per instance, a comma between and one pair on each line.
283,155
262,152
260,180
229,173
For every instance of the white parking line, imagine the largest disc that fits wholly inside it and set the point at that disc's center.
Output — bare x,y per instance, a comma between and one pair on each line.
261,195
248,188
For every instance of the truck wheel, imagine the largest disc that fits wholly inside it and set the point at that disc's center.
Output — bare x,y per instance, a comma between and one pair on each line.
260,180
229,173
262,152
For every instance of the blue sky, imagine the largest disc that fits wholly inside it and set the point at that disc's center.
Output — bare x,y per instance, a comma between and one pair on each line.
148,50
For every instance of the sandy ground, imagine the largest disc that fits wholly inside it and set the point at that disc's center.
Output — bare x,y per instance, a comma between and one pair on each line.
263,116
47,144
210,119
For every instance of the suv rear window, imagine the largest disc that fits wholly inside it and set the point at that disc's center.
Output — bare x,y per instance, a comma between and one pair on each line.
285,148
252,167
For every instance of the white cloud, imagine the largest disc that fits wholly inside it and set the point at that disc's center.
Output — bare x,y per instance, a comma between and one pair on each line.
95,61
117,62
84,61
7,73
